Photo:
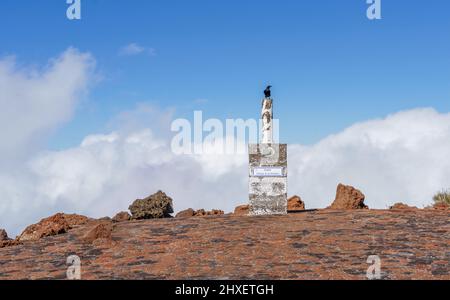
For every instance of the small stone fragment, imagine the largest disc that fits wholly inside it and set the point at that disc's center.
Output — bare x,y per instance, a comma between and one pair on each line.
295,204
242,210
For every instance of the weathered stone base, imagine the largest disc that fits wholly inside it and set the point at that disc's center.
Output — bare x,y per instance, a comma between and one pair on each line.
268,179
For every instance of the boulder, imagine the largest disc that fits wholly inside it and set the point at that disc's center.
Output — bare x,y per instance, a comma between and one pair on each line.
242,210
121,217
5,241
441,206
54,225
156,206
295,204
347,197
102,231
188,213
402,206
3,235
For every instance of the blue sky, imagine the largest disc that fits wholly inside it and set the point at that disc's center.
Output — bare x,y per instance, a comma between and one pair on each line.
330,66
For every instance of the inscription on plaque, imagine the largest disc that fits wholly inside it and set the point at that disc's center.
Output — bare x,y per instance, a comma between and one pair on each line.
269,172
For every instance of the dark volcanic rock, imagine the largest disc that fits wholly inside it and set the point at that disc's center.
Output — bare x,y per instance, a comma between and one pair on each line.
185,213
121,217
295,204
156,206
347,197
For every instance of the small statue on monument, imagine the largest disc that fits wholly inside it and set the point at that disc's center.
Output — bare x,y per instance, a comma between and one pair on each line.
267,92
267,117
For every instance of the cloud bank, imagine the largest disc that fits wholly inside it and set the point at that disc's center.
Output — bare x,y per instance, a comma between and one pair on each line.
403,157
35,101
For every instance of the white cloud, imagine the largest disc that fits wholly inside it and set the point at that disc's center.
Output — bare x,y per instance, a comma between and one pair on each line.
136,49
35,101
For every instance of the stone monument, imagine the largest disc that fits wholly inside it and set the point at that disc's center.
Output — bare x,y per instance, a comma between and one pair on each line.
267,168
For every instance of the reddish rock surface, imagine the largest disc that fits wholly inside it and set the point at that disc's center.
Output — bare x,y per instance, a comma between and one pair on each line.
185,213
76,220
325,244
121,217
5,241
54,225
402,206
204,213
441,206
102,230
242,210
188,213
295,204
8,243
347,197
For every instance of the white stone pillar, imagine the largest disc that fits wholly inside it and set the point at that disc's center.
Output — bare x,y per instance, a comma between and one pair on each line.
267,121
267,169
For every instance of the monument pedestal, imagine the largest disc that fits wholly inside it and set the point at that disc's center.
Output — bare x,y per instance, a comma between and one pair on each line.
268,179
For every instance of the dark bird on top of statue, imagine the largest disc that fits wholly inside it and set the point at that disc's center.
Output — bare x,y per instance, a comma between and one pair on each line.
267,92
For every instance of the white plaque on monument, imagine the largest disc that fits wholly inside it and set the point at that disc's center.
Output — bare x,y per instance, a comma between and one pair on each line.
268,172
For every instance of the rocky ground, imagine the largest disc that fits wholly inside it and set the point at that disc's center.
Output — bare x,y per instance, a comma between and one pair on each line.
326,244
333,243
